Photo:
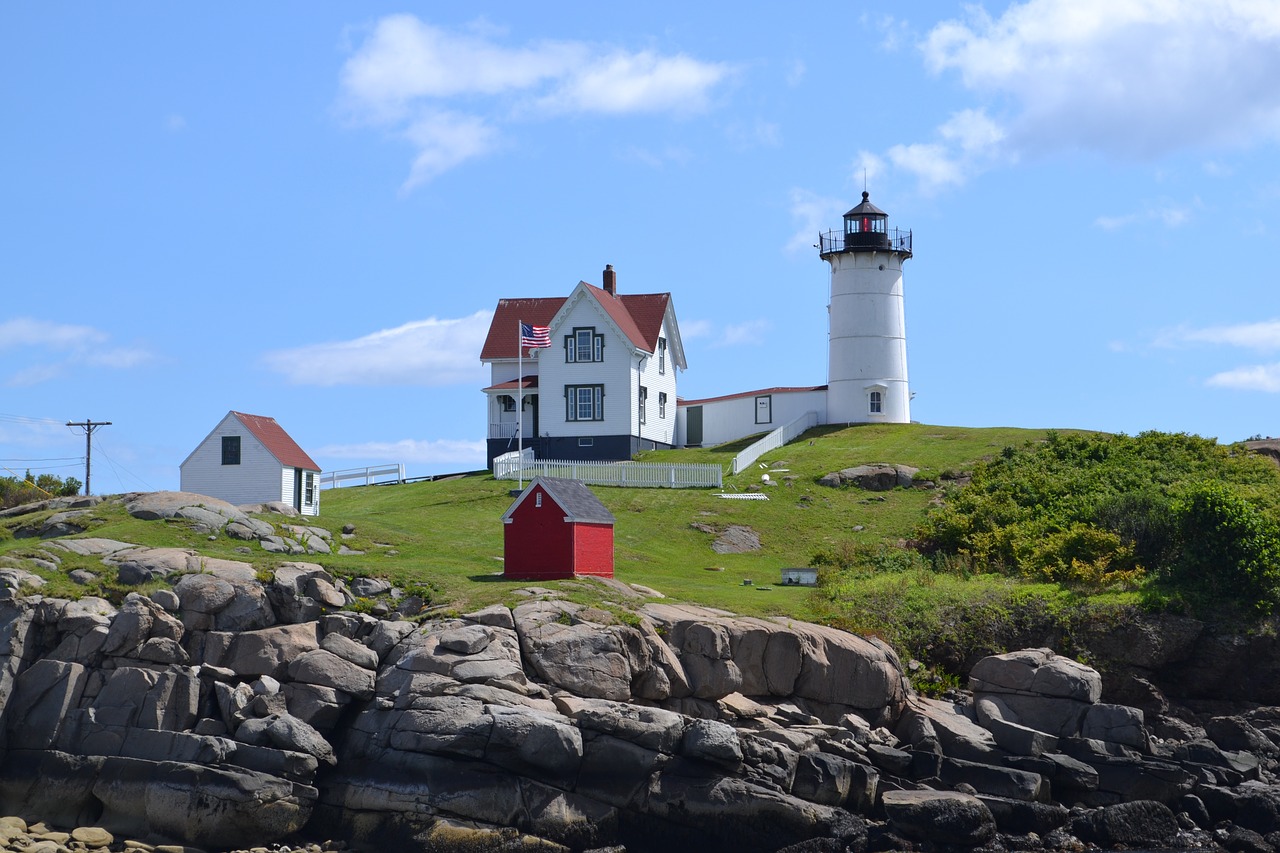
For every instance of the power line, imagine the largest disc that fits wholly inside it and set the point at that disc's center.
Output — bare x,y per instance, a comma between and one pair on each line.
24,419
47,459
88,426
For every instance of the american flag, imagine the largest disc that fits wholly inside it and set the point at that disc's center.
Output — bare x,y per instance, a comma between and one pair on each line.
535,337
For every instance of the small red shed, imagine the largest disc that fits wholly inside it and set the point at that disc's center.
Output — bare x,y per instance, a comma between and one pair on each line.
557,529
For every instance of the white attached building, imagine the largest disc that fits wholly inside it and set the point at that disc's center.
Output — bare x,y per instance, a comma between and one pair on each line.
250,459
606,387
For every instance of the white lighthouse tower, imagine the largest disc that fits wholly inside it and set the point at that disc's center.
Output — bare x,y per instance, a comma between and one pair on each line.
867,342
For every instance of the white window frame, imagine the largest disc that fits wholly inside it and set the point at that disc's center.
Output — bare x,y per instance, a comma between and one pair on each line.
662,356
662,404
584,398
583,344
875,402
767,400
644,404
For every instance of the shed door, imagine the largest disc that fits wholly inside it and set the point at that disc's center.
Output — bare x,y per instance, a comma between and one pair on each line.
297,489
693,426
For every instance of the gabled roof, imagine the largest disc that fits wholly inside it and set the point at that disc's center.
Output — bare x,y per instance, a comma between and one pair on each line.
277,441
638,316
578,502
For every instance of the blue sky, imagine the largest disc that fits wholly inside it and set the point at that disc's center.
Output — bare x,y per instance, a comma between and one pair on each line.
307,210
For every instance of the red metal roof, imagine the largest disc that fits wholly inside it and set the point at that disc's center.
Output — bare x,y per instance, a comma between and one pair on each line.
800,390
515,384
638,315
504,330
277,441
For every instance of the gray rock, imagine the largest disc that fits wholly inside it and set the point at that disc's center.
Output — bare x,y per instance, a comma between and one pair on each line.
1136,824
267,651
328,670
42,696
712,741
370,587
203,593
289,732
1115,724
585,659
940,817
350,650
467,640
526,741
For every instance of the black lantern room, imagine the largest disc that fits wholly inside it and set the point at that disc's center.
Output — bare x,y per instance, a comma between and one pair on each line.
866,229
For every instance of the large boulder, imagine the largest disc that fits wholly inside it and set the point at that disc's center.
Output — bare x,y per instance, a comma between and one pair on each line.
940,817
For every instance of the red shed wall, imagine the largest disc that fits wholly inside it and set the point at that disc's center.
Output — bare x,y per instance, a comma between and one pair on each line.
537,543
593,549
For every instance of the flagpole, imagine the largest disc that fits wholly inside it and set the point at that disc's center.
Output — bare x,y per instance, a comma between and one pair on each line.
520,400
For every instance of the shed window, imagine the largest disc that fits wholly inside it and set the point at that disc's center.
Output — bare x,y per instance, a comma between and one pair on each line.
231,450
310,480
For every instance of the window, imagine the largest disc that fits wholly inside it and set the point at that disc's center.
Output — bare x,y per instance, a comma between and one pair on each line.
584,345
644,402
231,450
662,404
537,499
310,488
584,402
876,401
764,409
507,402
588,441
662,355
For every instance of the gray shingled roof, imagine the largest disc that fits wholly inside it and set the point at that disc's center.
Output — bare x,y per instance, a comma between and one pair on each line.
578,502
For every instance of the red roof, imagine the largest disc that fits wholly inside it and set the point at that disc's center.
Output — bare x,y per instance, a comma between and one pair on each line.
638,315
277,441
515,384
681,402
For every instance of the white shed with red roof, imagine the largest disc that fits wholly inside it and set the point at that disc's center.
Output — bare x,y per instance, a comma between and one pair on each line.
250,459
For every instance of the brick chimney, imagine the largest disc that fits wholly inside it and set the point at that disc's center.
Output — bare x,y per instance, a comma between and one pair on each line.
610,280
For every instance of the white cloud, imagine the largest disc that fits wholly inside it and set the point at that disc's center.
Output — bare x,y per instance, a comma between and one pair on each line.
814,214
636,83
1132,79
431,352
1168,213
656,159
27,332
411,450
72,347
1261,377
796,72
449,93
751,332
1263,336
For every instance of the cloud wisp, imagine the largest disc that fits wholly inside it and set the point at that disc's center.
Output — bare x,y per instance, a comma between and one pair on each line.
58,348
1131,81
1261,337
429,353
451,94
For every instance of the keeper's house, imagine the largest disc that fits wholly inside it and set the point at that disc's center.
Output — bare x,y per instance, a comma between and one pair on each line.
557,528
250,459
604,389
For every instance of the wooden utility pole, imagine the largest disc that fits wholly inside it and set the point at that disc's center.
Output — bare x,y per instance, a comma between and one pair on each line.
88,426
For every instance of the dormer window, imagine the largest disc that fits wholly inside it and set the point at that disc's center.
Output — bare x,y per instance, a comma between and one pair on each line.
583,345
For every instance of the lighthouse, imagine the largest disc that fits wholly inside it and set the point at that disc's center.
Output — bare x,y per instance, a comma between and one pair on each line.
867,339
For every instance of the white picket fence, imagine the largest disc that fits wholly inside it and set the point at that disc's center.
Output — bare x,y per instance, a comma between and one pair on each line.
390,473
774,440
651,475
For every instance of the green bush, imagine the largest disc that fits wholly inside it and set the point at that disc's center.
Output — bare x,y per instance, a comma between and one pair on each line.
1100,511
1229,549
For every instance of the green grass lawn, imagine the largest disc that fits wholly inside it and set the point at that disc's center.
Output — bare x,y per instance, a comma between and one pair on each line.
449,533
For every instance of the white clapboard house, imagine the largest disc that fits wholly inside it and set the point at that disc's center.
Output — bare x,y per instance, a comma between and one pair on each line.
604,389
249,459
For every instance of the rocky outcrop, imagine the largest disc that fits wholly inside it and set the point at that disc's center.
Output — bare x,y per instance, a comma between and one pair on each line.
876,477
231,708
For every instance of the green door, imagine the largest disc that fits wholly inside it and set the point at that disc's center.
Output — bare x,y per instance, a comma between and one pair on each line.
693,426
